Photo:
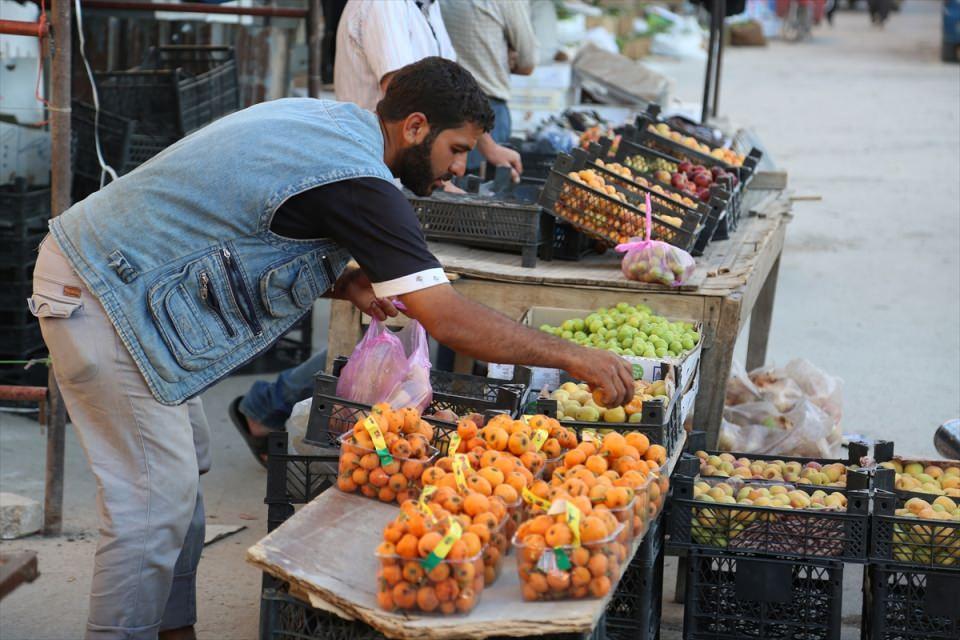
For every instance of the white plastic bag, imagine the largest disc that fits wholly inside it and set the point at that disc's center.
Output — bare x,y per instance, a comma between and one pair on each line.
794,410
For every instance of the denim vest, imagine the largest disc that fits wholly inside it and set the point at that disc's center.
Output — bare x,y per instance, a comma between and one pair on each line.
180,253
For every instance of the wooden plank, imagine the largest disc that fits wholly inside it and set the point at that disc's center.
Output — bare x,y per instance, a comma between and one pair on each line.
715,366
15,569
762,265
760,320
776,179
326,552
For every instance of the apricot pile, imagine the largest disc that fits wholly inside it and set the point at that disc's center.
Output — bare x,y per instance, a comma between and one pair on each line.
613,472
407,581
552,567
407,439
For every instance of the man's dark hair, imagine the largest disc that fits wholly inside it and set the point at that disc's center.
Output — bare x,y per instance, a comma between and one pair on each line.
440,89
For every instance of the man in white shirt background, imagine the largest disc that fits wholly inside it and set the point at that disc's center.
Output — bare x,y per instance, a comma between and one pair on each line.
375,38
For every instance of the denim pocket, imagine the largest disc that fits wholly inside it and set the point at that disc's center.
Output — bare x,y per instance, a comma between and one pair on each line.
292,286
196,313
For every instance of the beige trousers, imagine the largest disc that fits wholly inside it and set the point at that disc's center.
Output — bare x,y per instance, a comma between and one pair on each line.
147,459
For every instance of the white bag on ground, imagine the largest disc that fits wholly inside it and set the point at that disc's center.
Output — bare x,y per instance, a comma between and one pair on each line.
794,410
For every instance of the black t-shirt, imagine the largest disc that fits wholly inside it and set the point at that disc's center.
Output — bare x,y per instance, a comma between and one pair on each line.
371,219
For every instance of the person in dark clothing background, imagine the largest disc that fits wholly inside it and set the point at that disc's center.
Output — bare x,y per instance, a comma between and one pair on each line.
332,10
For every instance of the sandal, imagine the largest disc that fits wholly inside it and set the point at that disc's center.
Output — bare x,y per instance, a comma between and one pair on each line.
256,444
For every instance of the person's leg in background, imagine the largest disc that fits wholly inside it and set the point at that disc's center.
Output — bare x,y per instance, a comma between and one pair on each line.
267,405
143,455
332,10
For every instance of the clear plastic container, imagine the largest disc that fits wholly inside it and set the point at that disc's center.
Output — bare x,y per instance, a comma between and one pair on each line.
496,550
361,471
451,587
595,568
625,516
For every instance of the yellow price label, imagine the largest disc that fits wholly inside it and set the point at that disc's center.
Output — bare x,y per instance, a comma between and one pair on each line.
454,444
443,547
378,442
460,466
573,521
422,505
534,499
539,437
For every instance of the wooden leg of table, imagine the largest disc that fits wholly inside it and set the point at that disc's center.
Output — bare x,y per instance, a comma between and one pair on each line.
345,330
760,320
680,589
715,369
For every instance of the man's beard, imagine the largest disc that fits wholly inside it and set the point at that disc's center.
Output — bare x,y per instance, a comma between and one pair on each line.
415,170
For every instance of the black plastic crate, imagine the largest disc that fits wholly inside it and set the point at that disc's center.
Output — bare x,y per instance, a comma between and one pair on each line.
696,441
184,89
24,212
663,203
644,136
741,528
461,388
720,200
568,242
634,611
536,164
902,603
144,146
729,597
481,221
283,617
910,541
114,132
331,417
294,479
569,199
660,423
21,342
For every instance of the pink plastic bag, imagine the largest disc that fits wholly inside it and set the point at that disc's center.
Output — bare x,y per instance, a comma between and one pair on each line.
389,367
654,261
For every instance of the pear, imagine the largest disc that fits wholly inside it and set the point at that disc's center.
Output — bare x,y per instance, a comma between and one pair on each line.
618,414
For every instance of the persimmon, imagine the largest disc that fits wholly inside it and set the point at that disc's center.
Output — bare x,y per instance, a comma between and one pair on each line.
598,565
600,586
404,595
656,453
476,503
492,475
427,600
558,535
638,440
518,443
413,572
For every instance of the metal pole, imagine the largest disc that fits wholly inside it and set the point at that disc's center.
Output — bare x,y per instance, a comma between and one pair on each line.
721,28
60,179
314,43
19,28
195,7
708,76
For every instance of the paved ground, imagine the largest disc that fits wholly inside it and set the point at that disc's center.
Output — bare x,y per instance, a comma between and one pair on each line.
869,290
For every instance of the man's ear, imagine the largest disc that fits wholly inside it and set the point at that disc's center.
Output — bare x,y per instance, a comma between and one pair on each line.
415,128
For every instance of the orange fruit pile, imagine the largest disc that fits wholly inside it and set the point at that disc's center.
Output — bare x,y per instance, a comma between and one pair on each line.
504,434
591,569
407,438
455,583
614,472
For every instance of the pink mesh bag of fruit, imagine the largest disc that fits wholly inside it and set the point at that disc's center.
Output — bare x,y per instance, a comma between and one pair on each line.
654,261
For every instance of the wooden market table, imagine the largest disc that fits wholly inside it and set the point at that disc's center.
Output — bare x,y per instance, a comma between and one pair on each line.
325,554
735,280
